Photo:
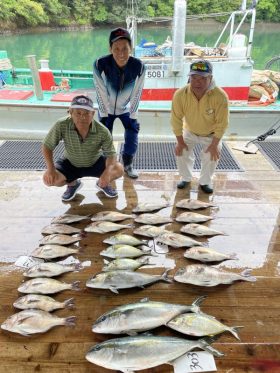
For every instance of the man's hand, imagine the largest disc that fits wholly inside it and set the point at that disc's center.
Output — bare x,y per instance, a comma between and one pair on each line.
49,177
180,146
213,150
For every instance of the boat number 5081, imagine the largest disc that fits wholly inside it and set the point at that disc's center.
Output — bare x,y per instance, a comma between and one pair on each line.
155,74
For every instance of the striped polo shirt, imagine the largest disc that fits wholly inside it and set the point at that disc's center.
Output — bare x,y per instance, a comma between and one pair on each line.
81,153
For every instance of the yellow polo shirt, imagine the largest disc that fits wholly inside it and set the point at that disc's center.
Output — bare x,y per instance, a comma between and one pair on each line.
209,115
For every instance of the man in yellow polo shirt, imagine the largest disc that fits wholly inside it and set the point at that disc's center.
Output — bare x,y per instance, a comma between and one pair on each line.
199,115
89,151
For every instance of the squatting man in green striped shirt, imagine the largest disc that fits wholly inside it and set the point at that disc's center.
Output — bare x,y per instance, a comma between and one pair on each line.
89,151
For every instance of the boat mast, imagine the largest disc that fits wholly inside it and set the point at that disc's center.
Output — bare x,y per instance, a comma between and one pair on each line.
131,21
178,38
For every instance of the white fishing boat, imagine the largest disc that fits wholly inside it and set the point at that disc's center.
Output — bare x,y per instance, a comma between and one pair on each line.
32,100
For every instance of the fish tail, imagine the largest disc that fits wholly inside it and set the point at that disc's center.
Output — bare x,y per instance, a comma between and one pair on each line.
70,321
78,267
76,285
69,303
165,277
204,344
246,274
233,330
196,304
233,256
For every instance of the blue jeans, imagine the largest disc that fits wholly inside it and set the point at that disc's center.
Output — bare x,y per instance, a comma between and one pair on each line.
131,129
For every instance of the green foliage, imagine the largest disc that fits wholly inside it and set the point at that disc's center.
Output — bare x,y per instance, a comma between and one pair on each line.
31,13
25,13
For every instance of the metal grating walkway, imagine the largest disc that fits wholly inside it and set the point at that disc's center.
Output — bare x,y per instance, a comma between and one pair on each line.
24,155
271,151
151,156
159,156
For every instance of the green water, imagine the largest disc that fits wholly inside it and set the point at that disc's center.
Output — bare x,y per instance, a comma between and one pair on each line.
76,50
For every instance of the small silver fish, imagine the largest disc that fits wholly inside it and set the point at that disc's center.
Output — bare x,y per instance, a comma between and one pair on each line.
150,206
204,275
193,204
124,264
152,219
200,230
124,239
141,316
35,321
115,280
110,216
60,229
105,227
68,219
128,354
59,239
200,324
149,230
176,240
49,252
124,251
51,269
192,217
205,254
42,302
43,285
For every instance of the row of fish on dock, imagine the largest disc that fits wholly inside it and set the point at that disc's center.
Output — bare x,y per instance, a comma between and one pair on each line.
37,306
128,253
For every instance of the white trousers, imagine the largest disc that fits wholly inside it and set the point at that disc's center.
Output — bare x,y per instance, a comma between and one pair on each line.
185,162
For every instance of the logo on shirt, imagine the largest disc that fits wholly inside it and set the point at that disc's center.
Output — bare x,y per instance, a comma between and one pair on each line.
210,111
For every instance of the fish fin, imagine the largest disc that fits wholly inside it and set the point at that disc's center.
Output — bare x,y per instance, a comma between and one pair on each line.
246,274
106,261
165,277
144,300
69,303
204,343
195,305
70,321
32,301
131,333
75,286
78,267
24,319
148,334
233,256
114,290
233,330
25,334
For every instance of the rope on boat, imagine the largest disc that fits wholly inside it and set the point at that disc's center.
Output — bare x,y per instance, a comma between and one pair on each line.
271,131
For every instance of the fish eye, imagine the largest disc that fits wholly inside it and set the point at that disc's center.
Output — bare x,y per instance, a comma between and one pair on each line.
96,348
101,319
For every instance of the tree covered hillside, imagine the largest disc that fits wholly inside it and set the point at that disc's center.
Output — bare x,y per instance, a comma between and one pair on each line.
20,14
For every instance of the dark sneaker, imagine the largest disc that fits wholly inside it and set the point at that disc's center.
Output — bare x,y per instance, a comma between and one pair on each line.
131,172
206,188
71,191
182,184
108,191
